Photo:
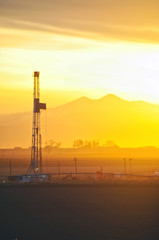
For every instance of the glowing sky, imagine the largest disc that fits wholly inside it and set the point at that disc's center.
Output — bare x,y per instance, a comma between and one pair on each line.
80,47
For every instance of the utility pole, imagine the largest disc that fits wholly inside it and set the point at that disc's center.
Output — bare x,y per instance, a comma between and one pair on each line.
10,167
75,159
36,156
59,169
125,165
130,159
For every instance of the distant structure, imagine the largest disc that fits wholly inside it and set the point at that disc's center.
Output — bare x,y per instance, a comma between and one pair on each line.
36,156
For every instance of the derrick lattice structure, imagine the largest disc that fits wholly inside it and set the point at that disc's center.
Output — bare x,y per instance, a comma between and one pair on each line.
36,154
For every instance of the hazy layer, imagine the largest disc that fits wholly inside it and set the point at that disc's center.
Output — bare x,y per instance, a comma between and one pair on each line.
129,124
119,19
91,47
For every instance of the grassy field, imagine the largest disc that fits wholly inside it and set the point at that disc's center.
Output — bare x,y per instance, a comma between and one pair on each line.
116,165
79,212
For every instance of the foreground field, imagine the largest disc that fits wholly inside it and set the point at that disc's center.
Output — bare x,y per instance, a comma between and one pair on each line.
144,166
79,212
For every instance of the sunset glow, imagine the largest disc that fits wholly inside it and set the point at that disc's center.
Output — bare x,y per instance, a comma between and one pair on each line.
110,48
111,51
79,119
93,68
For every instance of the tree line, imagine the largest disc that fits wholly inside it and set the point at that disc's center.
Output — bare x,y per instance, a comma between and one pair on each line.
80,143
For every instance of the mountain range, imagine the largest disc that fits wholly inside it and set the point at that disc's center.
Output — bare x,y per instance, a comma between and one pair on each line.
128,124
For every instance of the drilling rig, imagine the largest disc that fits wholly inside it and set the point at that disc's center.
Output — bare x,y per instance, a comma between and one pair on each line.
36,153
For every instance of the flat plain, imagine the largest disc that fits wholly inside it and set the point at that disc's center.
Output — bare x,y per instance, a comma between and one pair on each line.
79,212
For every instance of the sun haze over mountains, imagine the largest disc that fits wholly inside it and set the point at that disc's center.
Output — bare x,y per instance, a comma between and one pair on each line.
80,48
129,124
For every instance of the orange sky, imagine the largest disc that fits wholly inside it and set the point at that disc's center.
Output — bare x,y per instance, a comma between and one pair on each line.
80,48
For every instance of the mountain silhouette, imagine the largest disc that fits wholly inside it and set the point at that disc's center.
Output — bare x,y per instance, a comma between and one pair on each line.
129,124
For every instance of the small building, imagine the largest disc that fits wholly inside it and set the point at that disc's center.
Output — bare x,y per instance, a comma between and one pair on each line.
28,178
